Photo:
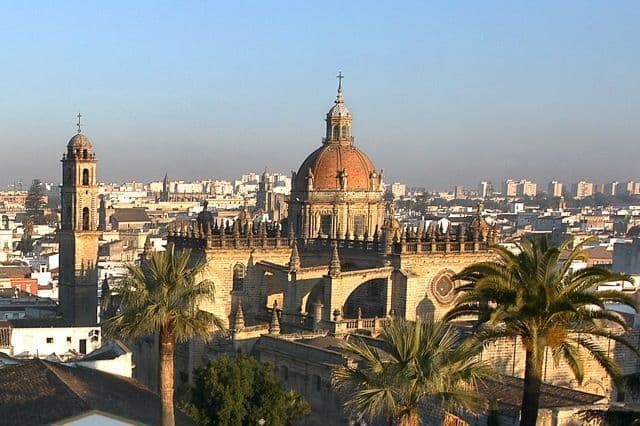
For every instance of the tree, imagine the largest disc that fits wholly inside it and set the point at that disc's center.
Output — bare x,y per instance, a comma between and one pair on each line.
236,391
34,203
612,416
161,296
532,294
419,361
26,243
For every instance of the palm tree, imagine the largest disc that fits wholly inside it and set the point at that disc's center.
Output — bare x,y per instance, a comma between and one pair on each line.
161,296
416,362
532,294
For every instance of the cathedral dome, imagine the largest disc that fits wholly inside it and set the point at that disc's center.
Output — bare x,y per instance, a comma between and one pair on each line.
333,166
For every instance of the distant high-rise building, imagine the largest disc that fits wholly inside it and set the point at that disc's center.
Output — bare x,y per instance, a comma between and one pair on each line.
519,188
458,192
611,188
583,189
632,188
526,188
398,190
484,189
554,189
509,188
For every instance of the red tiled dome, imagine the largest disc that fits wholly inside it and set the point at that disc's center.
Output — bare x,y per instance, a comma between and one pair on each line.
328,161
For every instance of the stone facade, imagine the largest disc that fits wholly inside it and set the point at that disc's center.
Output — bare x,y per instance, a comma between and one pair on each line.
79,234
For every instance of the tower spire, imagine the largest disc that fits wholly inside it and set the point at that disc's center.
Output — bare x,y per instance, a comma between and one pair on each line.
339,77
79,124
334,265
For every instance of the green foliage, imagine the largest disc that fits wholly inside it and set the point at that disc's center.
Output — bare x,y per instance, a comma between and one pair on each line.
163,294
533,295
419,360
611,417
34,203
237,391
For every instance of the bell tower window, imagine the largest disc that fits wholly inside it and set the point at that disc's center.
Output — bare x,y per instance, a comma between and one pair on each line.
85,154
85,219
85,177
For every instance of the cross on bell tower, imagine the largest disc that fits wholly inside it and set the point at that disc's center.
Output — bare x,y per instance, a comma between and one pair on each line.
79,123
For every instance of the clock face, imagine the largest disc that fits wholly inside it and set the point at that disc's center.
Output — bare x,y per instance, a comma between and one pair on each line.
443,288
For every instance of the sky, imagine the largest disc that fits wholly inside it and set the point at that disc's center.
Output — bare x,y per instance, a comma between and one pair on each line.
441,93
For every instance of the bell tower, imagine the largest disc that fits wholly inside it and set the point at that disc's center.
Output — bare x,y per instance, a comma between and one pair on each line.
79,233
338,120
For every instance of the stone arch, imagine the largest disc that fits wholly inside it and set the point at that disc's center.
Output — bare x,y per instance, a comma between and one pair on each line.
370,297
316,294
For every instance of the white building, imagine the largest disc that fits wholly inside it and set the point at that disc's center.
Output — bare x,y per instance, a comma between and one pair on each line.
398,189
583,189
42,337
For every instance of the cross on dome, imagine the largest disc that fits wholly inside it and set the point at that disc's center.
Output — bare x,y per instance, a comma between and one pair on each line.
79,123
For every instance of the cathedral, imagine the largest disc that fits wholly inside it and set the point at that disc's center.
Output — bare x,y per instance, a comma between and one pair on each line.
335,261
339,255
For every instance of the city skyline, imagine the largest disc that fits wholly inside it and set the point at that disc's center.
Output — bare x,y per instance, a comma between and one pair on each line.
456,103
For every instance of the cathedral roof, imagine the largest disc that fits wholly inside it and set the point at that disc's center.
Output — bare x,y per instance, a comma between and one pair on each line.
326,164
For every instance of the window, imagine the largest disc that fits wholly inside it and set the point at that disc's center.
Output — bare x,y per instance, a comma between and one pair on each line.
85,219
238,276
317,382
85,154
85,177
285,373
49,339
335,132
344,132
68,339
325,224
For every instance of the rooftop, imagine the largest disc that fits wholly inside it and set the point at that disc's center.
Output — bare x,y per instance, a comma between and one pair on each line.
41,392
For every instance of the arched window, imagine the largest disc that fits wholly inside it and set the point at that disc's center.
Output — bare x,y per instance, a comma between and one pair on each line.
336,131
238,276
85,177
344,132
85,154
85,219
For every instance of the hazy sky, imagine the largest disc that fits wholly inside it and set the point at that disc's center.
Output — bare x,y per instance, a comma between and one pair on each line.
444,93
